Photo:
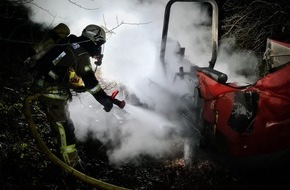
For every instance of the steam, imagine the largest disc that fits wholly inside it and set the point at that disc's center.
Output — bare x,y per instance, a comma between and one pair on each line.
131,58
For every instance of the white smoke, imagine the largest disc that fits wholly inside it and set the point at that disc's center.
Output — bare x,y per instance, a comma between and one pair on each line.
131,57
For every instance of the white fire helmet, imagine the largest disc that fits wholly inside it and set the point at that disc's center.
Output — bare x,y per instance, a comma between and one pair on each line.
95,33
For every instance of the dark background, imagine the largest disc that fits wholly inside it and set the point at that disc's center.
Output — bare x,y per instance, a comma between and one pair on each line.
23,166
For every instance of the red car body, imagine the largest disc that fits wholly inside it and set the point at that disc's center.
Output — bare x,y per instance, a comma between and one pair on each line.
247,120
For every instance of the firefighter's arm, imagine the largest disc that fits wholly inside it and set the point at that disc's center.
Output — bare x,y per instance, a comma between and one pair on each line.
92,85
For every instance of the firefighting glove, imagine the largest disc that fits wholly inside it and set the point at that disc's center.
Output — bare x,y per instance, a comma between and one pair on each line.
105,100
98,59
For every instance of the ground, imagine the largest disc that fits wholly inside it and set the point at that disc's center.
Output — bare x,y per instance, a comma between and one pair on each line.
24,166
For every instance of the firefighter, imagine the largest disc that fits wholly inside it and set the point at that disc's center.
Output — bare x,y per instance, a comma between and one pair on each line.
70,56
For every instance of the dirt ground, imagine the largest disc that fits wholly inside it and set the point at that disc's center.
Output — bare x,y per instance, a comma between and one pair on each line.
23,166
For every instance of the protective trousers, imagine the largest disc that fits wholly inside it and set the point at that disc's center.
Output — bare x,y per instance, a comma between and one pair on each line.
56,109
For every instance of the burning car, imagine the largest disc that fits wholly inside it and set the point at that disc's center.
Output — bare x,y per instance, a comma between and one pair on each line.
238,120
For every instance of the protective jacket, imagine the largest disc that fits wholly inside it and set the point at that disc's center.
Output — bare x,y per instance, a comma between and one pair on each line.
56,65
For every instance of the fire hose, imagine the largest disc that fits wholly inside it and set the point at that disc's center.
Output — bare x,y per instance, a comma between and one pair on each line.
42,146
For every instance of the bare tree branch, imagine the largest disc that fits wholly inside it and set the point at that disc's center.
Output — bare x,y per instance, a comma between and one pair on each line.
111,31
126,23
86,8
252,22
36,5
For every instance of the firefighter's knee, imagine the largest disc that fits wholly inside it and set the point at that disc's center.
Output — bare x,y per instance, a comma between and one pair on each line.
67,151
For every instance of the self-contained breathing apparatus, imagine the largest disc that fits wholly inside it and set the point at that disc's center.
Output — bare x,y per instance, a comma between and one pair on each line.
52,44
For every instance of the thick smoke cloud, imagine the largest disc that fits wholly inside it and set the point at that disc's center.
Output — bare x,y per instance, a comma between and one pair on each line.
131,58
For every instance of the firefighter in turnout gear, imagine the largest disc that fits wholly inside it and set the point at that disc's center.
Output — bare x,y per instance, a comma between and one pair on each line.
58,66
